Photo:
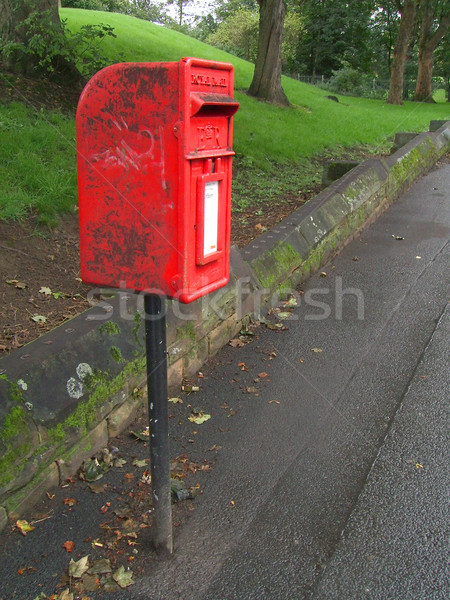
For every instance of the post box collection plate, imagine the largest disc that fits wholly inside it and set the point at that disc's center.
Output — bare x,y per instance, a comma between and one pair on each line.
154,148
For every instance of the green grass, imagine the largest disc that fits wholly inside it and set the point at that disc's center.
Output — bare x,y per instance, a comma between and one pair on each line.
37,163
37,153
263,132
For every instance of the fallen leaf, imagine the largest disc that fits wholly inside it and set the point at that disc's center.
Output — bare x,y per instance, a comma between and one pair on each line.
198,417
250,390
232,413
176,400
142,435
98,488
105,508
69,501
45,290
276,326
129,476
94,470
122,513
78,568
20,285
23,526
140,463
91,583
68,546
129,526
123,578
65,595
236,343
263,375
49,496
110,586
180,490
274,402
146,478
101,566
38,318
120,462
316,350
355,258
323,274
284,315
291,302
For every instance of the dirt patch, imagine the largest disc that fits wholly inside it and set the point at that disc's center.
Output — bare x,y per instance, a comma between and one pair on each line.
40,286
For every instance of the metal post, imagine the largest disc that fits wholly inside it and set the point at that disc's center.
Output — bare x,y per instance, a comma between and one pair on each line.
155,343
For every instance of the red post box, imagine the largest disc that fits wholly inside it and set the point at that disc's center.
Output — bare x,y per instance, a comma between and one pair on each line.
154,145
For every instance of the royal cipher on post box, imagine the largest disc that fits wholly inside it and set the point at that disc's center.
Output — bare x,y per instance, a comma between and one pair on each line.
154,145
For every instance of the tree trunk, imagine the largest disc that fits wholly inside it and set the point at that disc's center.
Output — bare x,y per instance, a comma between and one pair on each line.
266,82
429,39
13,13
408,17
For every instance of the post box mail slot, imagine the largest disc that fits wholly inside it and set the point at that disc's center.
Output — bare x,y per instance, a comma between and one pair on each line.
154,144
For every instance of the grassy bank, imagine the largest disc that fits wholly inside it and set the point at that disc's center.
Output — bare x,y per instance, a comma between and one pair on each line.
37,154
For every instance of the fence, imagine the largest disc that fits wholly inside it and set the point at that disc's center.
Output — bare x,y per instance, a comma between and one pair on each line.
375,87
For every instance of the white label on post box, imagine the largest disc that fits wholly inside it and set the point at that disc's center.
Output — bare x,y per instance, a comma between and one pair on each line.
211,223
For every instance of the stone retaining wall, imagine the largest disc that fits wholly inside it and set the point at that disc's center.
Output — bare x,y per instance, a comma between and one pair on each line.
63,396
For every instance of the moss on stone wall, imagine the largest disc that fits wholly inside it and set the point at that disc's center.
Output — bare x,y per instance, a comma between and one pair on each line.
276,265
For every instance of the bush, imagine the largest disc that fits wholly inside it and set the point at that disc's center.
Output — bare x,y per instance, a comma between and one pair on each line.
347,81
52,48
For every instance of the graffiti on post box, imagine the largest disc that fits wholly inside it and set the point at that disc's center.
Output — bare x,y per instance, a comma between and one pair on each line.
134,149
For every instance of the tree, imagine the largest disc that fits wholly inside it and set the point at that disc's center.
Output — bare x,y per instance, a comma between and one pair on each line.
336,35
384,28
180,4
238,34
32,40
266,83
432,29
408,15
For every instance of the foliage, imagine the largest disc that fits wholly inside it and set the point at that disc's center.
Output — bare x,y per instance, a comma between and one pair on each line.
292,39
238,34
336,32
86,4
203,27
147,10
50,45
347,81
226,8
